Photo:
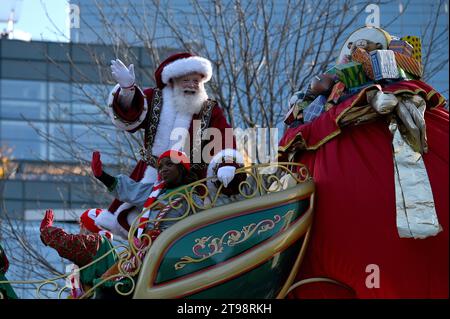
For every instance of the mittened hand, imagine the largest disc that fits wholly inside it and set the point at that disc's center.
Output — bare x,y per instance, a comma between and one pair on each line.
96,164
47,221
123,75
225,174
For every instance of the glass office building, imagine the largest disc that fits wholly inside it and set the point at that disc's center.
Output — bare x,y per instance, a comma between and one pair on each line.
52,115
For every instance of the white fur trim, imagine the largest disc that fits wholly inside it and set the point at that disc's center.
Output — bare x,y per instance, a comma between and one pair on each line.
106,220
119,123
92,213
185,66
227,153
169,120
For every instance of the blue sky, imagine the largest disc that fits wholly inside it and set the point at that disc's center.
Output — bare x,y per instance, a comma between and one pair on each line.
33,19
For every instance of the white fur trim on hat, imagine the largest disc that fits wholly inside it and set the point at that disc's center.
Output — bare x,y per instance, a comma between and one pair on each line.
186,66
106,220
118,122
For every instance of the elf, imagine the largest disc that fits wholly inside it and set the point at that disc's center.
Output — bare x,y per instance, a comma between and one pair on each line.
81,249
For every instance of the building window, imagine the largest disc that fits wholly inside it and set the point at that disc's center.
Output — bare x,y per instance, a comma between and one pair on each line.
23,139
23,109
21,89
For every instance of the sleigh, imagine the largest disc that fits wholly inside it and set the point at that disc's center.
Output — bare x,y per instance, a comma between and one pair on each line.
250,248
245,249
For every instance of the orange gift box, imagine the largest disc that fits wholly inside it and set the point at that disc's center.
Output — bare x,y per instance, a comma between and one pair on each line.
363,57
409,64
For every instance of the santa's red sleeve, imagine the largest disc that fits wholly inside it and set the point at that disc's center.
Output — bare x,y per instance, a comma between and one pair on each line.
129,117
228,155
226,148
79,249
219,122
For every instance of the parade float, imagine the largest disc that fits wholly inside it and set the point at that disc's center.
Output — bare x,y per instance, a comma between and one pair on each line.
374,137
356,207
253,245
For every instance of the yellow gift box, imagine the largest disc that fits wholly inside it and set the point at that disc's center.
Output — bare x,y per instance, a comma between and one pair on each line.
417,46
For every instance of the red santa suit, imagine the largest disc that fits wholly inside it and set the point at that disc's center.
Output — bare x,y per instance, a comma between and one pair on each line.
153,111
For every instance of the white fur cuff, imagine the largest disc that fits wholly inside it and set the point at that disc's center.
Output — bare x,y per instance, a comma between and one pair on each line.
106,220
118,122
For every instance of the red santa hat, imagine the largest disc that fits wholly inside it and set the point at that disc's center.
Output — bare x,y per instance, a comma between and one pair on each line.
181,64
87,219
177,157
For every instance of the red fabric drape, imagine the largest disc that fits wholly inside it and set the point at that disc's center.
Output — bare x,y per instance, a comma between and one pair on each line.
355,217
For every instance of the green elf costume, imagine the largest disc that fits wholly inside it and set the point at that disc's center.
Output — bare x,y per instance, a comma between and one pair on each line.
90,244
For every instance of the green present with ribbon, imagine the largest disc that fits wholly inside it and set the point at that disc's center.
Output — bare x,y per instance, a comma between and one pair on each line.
351,74
331,70
405,75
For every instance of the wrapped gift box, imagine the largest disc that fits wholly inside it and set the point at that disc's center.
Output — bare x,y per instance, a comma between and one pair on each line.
409,64
351,74
290,116
363,57
314,109
336,92
401,46
359,88
405,75
384,64
331,70
417,46
295,112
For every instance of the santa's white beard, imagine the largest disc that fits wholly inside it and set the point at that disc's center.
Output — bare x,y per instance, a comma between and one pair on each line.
188,103
177,111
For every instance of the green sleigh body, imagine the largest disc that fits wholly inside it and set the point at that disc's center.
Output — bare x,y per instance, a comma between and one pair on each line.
247,249
251,248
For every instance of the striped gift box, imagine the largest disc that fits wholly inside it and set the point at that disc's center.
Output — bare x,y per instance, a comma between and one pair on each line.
351,74
384,64
401,46
409,64
363,57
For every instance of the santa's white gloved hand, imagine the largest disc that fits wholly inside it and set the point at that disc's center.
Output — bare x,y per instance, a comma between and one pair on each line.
123,75
225,174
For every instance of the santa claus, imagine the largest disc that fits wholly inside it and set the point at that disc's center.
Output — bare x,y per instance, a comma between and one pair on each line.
176,114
